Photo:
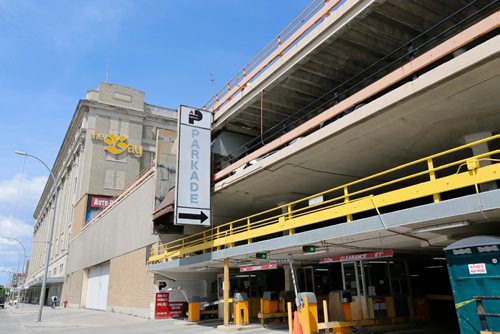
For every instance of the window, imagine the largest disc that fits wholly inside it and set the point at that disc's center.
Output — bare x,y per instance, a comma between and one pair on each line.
61,241
109,179
114,179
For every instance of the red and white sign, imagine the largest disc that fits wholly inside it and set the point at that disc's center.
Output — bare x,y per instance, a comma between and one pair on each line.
165,309
176,309
262,267
477,268
357,257
100,202
162,306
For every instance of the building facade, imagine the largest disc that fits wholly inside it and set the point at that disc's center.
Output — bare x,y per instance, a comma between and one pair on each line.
110,140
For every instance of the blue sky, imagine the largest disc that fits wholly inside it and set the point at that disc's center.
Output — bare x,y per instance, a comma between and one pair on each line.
52,52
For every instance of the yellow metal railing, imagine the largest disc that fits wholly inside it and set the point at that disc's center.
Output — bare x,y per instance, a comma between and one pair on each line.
431,177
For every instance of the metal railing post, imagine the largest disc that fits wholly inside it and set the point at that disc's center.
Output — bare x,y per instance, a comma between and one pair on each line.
346,200
218,236
289,216
204,240
432,175
231,244
249,227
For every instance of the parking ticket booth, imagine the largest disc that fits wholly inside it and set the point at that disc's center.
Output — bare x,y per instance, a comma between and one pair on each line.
194,309
308,313
475,279
270,302
240,308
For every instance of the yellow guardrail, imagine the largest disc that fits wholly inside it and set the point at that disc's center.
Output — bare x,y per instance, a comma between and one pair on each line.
432,176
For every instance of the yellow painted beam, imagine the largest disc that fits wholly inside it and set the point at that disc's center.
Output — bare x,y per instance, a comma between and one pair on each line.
226,291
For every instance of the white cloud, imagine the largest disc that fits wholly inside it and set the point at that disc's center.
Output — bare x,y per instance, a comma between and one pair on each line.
14,228
6,269
21,191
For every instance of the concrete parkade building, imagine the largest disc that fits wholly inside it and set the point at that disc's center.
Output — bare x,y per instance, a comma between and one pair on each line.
110,140
345,138
346,134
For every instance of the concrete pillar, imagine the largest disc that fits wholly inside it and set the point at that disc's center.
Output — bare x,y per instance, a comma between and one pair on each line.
481,149
226,292
288,277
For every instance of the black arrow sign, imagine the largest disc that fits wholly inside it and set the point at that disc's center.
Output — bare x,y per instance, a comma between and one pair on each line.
201,217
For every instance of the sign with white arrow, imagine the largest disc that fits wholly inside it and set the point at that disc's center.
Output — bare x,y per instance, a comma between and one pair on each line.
192,198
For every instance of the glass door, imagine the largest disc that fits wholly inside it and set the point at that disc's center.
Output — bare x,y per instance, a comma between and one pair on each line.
306,279
353,279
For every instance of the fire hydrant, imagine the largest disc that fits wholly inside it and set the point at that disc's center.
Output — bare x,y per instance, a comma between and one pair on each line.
65,303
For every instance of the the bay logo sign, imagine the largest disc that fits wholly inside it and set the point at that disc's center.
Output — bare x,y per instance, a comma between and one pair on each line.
117,144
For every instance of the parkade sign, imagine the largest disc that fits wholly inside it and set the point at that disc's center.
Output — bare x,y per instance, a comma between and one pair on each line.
192,205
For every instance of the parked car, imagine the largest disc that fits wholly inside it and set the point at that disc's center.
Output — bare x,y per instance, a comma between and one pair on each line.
2,302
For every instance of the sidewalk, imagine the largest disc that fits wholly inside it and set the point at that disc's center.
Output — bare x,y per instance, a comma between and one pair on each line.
64,320
74,320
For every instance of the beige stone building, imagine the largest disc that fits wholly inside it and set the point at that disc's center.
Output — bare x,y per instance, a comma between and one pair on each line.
110,140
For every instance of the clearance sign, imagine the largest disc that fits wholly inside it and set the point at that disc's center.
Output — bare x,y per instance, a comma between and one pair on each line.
358,257
117,144
192,205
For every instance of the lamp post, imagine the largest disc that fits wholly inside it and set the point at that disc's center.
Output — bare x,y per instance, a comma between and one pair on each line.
23,267
49,244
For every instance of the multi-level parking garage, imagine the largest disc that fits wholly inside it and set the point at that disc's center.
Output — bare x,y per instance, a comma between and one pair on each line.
365,126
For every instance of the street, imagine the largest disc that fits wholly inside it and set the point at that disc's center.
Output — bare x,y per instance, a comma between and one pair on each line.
71,320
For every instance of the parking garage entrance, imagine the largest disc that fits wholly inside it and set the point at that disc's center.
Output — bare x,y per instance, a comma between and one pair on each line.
382,285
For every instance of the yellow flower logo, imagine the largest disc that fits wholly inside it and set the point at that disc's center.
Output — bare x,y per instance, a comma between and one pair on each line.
116,145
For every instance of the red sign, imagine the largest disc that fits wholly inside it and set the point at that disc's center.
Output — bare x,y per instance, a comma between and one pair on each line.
176,309
262,267
100,202
161,306
165,309
357,257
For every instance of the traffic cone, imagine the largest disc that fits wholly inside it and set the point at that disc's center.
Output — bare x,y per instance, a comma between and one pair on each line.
297,329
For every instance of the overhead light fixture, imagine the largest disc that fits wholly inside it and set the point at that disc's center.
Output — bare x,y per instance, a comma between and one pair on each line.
441,227
321,269
200,268
439,258
245,276
379,262
317,252
434,267
246,264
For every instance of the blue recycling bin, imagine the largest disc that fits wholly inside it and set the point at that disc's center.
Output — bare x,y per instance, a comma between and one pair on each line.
475,279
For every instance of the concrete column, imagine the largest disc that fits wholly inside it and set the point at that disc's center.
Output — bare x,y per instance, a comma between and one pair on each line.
288,277
481,149
226,292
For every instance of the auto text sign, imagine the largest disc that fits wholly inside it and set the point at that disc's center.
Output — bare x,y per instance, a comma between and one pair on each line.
477,268
192,205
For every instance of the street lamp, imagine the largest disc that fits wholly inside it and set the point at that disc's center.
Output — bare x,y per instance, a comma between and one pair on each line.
47,258
23,267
